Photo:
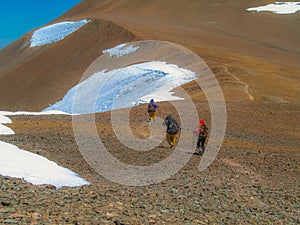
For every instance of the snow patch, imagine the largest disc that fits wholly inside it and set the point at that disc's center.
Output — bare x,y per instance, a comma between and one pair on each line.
15,162
4,130
48,112
124,88
55,32
4,119
121,50
279,7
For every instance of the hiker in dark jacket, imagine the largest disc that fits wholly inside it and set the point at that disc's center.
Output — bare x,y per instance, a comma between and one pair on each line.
171,131
152,107
202,132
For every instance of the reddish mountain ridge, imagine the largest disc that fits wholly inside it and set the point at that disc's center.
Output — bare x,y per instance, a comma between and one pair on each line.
262,47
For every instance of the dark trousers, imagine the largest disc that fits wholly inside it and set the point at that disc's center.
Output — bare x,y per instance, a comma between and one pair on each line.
201,142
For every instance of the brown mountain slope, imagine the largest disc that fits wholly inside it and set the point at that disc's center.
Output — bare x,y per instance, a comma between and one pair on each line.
33,78
200,24
255,48
255,177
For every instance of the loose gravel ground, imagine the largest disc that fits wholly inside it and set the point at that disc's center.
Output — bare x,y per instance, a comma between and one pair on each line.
253,180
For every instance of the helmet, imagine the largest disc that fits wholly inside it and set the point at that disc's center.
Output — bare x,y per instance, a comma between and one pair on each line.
201,121
152,100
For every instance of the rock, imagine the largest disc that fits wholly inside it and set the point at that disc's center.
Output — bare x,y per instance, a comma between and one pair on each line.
5,203
117,222
16,215
35,216
6,210
60,203
51,187
11,221
111,214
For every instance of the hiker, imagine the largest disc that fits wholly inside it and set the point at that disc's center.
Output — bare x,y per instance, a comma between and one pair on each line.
152,107
202,132
172,130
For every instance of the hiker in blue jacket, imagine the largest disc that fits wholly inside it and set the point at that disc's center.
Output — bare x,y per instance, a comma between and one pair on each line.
152,107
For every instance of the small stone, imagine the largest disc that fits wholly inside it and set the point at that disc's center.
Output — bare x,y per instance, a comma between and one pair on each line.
11,221
60,203
152,216
112,214
119,203
5,203
16,215
36,216
50,186
117,222
6,210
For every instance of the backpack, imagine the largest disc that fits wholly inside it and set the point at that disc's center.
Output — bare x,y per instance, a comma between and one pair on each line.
151,107
203,132
173,127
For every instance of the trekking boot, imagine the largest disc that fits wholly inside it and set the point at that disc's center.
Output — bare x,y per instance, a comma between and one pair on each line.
197,151
202,152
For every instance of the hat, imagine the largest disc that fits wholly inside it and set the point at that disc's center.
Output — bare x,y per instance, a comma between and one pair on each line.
201,121
152,100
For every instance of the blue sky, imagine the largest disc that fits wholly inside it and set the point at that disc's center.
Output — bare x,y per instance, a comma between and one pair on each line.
18,17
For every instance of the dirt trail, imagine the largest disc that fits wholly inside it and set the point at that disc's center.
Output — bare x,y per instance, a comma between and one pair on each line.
246,86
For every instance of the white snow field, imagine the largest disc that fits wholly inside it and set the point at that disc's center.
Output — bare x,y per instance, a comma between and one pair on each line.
50,112
121,50
4,130
55,32
4,119
38,170
279,7
133,84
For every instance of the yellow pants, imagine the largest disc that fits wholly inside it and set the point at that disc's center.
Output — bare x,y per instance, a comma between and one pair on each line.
171,138
152,115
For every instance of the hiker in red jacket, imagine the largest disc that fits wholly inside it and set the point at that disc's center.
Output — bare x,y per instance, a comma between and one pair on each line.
202,132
